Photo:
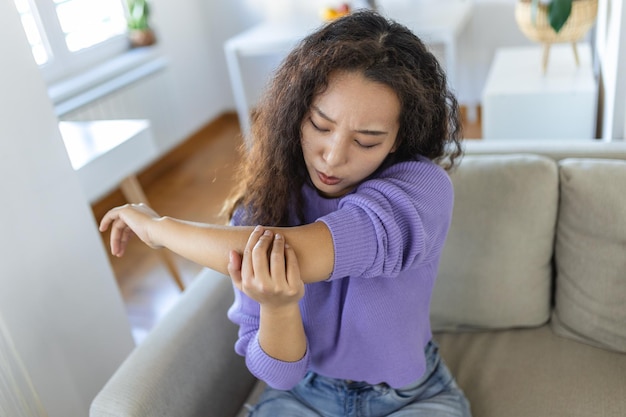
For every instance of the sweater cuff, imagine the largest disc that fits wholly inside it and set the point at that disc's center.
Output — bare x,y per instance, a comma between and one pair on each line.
350,227
276,373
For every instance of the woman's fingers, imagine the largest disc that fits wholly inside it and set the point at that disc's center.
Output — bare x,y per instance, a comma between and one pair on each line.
247,272
120,235
277,259
260,262
126,221
292,268
247,267
234,268
269,269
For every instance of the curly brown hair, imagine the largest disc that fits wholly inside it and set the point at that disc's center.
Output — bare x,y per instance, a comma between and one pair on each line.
273,170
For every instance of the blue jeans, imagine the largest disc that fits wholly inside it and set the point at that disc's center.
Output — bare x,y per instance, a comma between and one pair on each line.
435,394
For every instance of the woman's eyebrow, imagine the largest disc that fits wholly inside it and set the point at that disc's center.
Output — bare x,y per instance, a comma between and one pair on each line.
322,114
362,131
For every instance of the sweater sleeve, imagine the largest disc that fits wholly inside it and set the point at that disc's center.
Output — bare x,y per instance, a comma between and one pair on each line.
276,373
392,222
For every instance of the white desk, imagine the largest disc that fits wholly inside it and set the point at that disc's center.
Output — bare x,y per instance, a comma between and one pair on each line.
434,21
107,154
265,39
520,102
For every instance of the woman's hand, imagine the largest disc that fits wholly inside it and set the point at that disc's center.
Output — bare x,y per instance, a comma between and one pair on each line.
268,272
128,220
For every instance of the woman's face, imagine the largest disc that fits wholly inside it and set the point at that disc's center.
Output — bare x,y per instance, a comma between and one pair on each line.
348,132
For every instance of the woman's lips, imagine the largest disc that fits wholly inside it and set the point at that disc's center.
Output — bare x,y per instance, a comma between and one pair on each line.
328,180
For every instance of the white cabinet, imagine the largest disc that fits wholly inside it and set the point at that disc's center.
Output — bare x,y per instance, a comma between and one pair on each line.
521,102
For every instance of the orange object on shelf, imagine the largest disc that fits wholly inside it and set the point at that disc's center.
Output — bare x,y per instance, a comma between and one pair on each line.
331,13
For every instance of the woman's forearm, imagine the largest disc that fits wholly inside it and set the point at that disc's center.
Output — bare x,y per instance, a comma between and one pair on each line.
281,333
204,244
209,245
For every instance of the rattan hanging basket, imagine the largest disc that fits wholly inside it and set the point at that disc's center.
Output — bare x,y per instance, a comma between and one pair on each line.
580,20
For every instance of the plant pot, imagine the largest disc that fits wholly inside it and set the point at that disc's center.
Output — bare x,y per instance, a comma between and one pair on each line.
142,37
581,19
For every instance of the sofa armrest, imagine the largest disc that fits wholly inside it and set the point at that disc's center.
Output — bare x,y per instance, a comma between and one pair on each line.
187,365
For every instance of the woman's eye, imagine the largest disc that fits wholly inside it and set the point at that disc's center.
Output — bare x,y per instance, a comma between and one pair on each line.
316,127
365,146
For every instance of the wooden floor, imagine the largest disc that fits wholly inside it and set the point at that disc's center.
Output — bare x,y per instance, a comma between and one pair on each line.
189,183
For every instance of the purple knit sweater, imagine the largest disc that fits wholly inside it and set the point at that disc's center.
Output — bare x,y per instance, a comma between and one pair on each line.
370,320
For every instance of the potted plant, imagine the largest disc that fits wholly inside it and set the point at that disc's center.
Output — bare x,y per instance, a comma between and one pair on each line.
556,21
558,11
139,31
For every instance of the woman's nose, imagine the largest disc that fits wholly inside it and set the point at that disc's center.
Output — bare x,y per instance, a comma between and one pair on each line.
335,152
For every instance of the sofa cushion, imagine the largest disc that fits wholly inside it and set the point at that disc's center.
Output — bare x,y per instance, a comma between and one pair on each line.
590,253
496,268
533,372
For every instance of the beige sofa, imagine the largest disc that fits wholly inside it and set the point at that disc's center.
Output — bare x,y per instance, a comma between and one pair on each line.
529,307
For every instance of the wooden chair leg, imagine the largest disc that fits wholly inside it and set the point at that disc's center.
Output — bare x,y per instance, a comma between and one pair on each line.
575,49
167,259
133,192
546,54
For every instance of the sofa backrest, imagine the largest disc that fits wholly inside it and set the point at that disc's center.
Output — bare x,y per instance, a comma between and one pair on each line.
556,149
502,269
496,268
590,253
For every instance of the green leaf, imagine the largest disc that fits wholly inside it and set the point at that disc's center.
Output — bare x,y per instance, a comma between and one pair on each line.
558,13
138,14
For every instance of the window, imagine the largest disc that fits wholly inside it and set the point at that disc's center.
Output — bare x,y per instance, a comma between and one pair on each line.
31,27
68,36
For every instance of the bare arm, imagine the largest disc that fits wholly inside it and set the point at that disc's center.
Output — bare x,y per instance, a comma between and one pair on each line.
209,244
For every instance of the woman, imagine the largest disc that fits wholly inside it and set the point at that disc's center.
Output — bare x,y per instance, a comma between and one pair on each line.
345,173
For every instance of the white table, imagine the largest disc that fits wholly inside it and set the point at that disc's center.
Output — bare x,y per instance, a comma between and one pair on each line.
107,154
265,39
434,21
521,102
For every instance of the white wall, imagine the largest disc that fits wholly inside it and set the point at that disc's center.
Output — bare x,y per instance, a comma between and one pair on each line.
58,295
191,34
477,46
